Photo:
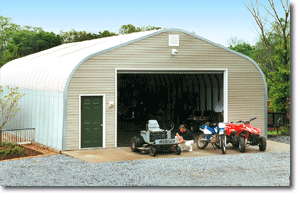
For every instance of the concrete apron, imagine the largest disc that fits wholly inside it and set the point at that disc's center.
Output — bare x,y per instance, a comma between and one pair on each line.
125,153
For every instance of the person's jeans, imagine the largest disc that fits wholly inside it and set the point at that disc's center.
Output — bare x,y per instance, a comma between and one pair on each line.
189,143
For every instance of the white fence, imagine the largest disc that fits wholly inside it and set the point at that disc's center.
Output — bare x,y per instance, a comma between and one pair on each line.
19,136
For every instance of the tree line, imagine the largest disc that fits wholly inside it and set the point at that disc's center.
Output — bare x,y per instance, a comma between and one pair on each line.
271,51
17,41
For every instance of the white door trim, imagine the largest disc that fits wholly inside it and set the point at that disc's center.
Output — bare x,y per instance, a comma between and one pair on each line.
104,121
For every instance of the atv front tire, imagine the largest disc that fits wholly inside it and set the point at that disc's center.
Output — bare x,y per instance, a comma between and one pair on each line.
262,144
242,144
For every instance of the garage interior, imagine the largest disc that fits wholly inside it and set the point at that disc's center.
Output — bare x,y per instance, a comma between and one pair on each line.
168,97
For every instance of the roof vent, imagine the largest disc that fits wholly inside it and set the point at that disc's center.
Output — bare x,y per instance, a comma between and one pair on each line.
173,40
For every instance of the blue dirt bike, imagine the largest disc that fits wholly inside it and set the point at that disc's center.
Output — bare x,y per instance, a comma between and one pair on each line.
216,136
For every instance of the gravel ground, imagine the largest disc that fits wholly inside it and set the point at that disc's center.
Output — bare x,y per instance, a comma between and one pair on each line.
256,169
283,139
260,169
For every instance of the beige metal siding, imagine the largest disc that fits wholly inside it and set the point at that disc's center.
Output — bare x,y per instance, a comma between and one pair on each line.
246,94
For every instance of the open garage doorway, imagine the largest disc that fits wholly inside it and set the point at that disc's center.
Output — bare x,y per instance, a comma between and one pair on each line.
171,97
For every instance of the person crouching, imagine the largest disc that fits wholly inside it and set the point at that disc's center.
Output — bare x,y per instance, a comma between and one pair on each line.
185,137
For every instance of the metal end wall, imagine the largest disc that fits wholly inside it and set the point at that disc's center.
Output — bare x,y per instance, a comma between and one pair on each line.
42,110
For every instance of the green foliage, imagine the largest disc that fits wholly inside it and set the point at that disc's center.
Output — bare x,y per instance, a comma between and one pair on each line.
17,150
10,149
244,48
278,73
78,36
106,33
272,53
26,42
125,29
283,130
7,28
9,105
17,41
129,28
7,144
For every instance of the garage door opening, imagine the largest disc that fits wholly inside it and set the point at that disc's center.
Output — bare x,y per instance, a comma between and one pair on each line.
190,98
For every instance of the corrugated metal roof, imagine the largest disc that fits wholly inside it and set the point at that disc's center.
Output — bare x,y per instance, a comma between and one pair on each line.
50,69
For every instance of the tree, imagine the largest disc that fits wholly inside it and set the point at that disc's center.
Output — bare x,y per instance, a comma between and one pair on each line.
29,41
106,33
244,48
233,41
78,36
125,29
7,28
8,106
273,51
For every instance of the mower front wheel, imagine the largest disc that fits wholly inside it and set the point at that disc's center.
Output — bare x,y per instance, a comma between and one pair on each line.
153,151
134,144
177,150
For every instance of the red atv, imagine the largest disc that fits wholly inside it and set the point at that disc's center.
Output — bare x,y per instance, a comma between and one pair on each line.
245,134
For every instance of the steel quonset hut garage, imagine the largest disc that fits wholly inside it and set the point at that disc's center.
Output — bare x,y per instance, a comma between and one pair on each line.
92,94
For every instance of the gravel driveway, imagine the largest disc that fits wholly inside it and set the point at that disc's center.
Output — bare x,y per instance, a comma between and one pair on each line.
256,169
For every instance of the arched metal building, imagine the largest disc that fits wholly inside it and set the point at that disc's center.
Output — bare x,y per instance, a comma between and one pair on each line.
87,94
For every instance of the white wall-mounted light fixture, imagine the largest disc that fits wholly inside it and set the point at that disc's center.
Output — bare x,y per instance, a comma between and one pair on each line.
174,52
111,104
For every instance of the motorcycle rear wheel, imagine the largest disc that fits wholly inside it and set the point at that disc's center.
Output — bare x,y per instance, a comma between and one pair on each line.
202,141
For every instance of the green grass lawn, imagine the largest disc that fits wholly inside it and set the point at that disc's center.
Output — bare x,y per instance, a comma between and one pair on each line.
282,131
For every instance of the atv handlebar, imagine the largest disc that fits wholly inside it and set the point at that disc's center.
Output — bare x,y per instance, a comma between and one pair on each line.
241,121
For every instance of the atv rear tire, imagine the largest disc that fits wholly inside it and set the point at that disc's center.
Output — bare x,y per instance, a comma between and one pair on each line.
262,144
201,143
242,144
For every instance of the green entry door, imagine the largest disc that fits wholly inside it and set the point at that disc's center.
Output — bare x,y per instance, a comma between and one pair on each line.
91,121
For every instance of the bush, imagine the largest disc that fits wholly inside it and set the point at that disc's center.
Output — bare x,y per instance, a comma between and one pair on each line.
286,130
7,149
18,150
5,152
7,145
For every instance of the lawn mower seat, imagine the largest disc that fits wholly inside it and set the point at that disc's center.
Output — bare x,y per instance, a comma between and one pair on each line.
153,126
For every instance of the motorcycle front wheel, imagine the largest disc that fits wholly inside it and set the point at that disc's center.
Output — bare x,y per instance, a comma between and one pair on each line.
202,141
223,143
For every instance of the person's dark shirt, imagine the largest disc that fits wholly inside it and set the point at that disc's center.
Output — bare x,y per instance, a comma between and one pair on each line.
186,135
